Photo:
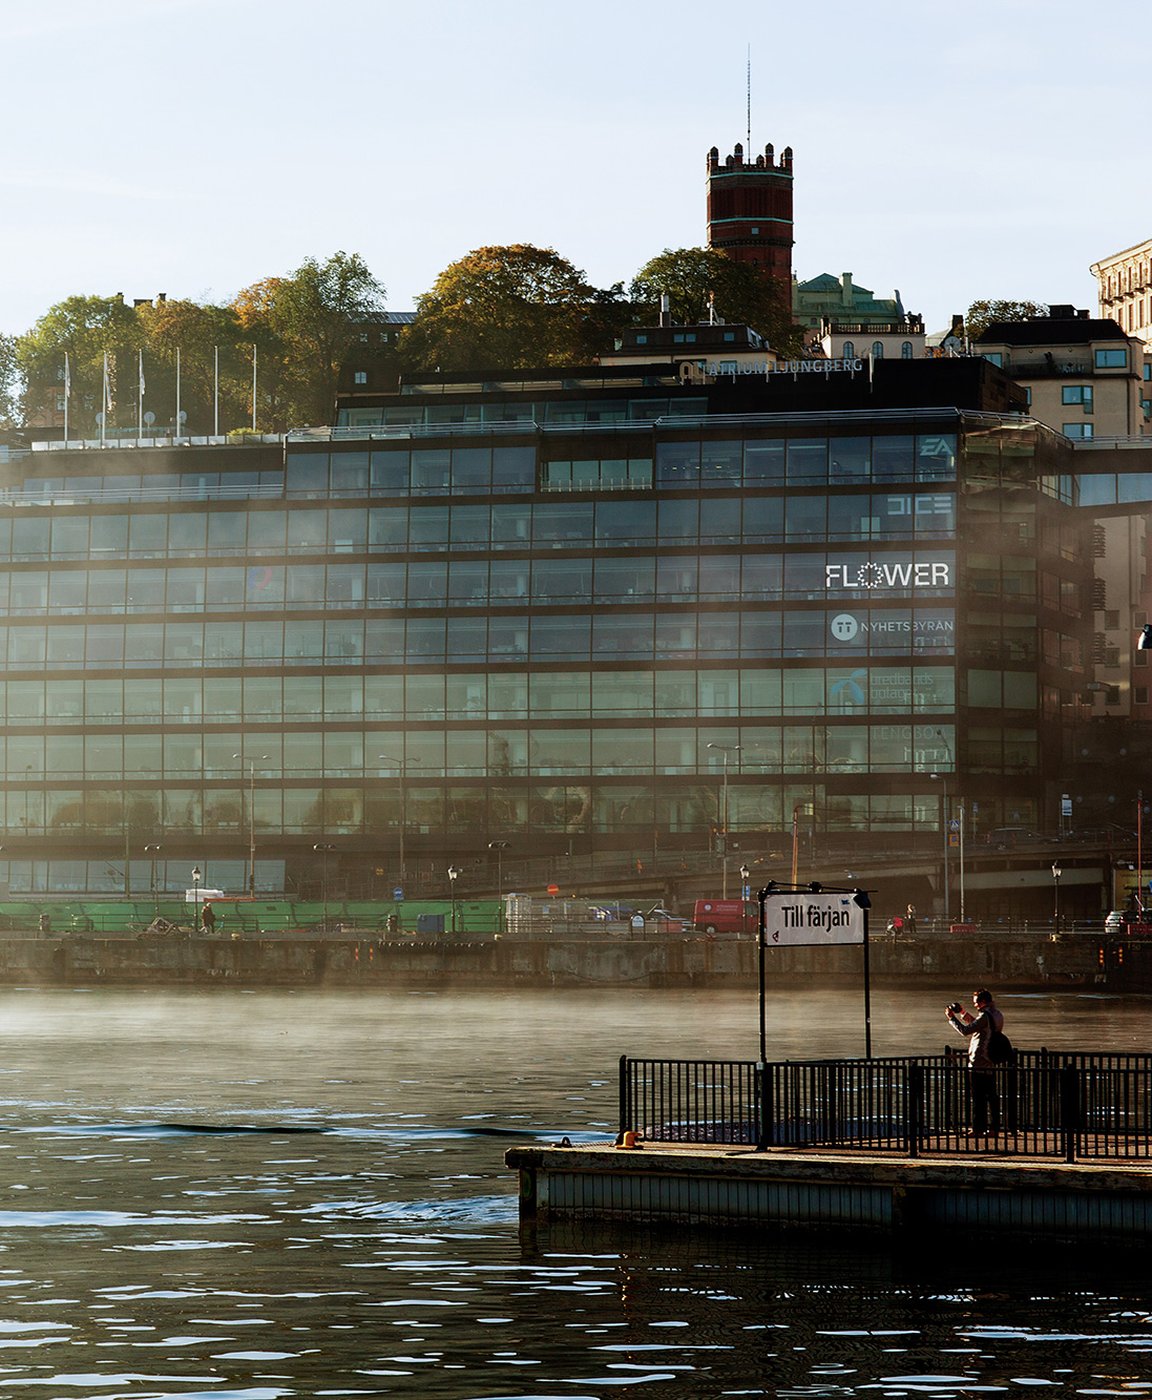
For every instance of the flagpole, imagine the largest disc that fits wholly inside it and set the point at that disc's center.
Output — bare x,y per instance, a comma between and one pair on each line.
177,431
104,405
253,386
67,393
215,391
140,396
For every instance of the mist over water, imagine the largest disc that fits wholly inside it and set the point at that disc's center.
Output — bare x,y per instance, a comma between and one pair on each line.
250,1195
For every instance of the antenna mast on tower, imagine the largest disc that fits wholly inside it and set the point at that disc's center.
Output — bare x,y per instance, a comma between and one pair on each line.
748,145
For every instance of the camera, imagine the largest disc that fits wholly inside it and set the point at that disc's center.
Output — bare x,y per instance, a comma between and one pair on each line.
954,1007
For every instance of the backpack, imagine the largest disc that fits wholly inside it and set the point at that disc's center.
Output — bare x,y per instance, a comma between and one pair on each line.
1000,1049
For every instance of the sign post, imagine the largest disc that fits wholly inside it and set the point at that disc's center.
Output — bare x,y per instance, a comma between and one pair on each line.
799,916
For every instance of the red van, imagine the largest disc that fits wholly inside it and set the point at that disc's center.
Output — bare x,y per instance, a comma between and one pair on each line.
737,916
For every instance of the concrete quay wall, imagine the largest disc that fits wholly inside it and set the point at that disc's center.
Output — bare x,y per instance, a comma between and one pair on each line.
1005,960
725,1188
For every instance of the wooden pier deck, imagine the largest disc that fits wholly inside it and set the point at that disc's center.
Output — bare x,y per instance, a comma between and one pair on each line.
738,1187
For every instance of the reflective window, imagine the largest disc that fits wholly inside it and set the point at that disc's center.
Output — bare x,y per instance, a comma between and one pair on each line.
807,460
764,462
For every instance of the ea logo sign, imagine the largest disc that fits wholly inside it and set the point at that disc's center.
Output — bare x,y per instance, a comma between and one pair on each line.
844,627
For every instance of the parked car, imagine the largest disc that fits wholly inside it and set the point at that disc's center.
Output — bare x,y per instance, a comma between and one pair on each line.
1117,920
663,920
610,913
738,916
1005,838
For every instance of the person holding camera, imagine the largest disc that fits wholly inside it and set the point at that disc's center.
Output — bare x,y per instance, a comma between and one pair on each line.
982,1072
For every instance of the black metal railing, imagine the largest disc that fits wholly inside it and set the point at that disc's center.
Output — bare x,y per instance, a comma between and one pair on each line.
1047,1104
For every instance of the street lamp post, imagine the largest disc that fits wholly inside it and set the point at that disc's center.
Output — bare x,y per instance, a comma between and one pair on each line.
499,847
251,762
196,899
453,876
324,849
942,778
745,892
724,750
153,851
401,766
1056,873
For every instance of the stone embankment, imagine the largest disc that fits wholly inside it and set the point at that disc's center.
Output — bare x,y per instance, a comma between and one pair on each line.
1020,960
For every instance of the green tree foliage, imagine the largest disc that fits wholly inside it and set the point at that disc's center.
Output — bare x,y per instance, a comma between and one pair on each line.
203,337
84,329
254,309
696,280
982,314
308,322
302,327
511,307
9,374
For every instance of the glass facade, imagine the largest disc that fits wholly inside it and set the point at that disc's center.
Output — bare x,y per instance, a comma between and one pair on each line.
551,628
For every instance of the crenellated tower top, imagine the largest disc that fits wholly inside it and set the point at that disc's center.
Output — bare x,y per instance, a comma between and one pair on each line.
736,160
750,211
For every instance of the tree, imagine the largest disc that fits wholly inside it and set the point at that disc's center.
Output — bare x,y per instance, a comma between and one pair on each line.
84,329
254,308
207,338
302,326
982,314
700,280
9,373
511,307
308,322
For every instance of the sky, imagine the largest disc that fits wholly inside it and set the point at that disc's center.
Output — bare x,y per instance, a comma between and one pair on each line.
994,148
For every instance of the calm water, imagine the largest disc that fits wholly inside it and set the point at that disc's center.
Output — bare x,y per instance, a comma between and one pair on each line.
257,1195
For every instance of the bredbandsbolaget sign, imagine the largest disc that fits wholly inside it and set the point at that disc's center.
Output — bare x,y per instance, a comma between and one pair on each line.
802,920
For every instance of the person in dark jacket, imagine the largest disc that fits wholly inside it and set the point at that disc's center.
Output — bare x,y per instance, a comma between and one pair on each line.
982,1072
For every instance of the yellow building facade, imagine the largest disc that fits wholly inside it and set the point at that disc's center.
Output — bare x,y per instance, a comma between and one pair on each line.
1124,284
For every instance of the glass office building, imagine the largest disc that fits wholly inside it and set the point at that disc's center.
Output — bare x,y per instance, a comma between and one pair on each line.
593,612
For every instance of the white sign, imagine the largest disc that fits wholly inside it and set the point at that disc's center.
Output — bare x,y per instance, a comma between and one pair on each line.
801,920
817,367
738,367
923,574
926,632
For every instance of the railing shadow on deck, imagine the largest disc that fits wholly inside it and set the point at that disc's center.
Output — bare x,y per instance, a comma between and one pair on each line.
1051,1104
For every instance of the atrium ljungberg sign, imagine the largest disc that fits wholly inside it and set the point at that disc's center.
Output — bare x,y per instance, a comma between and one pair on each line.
768,368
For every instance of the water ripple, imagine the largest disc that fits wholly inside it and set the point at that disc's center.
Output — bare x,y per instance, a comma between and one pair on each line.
117,1219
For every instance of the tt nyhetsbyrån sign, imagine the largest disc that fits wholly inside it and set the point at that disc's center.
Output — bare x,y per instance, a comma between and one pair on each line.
798,920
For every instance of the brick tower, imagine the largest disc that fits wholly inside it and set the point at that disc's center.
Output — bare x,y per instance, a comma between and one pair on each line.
750,212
